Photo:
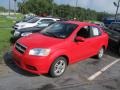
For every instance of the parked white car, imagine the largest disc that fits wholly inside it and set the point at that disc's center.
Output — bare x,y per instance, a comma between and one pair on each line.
33,22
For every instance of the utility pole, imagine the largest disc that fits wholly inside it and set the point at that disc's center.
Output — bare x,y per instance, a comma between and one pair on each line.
117,5
76,8
9,7
76,3
15,6
52,7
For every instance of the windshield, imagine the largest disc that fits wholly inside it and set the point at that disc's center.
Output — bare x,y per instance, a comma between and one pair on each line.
28,18
33,20
44,24
59,30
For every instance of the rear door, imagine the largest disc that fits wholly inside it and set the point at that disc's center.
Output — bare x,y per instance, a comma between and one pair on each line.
96,38
91,44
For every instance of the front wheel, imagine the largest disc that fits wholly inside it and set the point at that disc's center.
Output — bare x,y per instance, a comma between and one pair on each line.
58,67
100,53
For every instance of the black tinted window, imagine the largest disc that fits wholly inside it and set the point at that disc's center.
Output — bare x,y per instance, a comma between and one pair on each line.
84,32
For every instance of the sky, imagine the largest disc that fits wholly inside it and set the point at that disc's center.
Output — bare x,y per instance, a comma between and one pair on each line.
98,5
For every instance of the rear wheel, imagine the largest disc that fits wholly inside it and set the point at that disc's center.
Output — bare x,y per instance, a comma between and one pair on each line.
100,53
58,67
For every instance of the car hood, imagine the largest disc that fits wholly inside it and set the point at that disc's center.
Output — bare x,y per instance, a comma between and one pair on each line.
23,23
30,29
39,41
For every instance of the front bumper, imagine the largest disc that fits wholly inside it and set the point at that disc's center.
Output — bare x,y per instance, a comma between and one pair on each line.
33,64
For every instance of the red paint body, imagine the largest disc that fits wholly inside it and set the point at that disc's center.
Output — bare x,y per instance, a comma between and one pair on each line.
74,51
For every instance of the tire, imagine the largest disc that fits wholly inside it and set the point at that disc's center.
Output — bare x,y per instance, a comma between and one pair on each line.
58,67
100,53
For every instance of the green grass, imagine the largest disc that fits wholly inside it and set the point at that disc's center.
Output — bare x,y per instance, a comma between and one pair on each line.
5,29
4,41
8,21
5,22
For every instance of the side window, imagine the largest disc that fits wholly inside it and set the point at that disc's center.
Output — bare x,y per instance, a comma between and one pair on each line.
95,31
84,32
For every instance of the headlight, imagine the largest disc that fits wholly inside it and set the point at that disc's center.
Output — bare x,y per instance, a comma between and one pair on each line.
16,33
26,34
39,52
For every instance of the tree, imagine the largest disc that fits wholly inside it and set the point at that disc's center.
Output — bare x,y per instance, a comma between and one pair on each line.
40,7
2,9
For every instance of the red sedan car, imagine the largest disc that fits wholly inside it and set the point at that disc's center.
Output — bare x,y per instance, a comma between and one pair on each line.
61,44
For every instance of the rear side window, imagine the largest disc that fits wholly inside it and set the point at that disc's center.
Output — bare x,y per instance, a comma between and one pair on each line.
95,31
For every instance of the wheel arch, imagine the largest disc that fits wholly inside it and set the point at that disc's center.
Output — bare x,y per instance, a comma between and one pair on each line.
66,57
55,55
60,55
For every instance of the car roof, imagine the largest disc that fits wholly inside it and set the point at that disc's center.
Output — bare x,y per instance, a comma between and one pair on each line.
48,18
80,23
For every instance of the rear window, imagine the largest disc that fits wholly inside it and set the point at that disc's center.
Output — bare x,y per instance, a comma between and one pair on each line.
95,31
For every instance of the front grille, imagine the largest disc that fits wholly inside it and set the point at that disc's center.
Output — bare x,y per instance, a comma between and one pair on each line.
20,48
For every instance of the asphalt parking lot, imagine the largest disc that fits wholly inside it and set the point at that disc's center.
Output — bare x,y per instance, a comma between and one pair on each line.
89,74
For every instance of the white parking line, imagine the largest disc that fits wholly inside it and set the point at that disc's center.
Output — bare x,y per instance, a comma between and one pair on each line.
95,75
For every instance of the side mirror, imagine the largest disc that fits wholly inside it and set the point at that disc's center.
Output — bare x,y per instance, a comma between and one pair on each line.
79,39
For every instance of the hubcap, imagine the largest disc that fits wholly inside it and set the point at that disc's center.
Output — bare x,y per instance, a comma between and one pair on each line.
59,67
101,52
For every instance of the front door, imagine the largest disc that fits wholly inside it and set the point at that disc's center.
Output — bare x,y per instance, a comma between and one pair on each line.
82,49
